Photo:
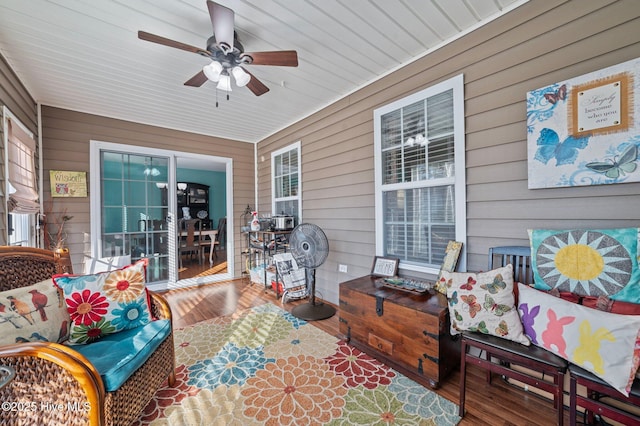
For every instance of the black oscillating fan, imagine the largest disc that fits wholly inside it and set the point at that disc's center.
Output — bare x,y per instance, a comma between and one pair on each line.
310,247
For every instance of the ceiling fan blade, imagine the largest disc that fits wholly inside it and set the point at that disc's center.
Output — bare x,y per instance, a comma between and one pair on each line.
197,80
285,58
143,35
255,85
222,20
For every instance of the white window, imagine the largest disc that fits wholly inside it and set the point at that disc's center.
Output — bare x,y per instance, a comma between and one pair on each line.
420,176
21,148
285,182
22,195
20,229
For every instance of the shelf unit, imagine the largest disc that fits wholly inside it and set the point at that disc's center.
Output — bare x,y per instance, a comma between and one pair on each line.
245,250
196,197
260,246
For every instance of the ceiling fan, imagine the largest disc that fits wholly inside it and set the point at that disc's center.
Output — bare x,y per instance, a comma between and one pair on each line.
227,54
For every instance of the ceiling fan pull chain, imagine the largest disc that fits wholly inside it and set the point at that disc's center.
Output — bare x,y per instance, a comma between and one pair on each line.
216,98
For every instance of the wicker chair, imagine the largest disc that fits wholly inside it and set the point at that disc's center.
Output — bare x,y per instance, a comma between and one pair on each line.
48,374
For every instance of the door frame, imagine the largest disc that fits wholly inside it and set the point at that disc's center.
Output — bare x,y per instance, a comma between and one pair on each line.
96,208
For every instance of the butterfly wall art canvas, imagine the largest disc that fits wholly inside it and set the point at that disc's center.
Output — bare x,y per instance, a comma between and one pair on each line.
561,152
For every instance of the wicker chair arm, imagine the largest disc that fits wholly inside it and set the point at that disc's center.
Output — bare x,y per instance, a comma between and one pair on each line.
159,306
65,375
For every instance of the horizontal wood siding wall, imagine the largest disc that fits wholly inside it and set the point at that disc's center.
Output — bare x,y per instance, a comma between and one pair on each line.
13,95
540,43
66,142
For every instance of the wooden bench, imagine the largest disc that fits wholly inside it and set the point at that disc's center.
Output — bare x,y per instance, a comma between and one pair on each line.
498,355
600,399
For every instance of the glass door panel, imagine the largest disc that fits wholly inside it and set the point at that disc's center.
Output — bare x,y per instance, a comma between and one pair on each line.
134,209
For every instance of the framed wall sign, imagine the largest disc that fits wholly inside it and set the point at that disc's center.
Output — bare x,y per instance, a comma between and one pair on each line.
451,256
385,266
585,130
449,263
68,184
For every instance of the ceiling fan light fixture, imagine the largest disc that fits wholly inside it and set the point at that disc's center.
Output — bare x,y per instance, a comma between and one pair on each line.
213,70
225,52
241,76
224,83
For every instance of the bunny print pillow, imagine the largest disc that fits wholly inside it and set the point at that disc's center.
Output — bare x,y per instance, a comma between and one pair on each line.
600,342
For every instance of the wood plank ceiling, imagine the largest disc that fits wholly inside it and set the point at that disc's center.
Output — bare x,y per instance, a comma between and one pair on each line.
84,55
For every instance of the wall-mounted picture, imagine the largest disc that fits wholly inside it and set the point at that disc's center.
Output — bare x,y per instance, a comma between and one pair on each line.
68,183
449,263
385,266
585,130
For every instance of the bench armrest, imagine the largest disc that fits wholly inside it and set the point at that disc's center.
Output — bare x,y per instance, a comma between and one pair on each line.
159,306
52,379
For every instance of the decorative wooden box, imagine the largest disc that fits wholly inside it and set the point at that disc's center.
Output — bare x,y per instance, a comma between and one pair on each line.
407,331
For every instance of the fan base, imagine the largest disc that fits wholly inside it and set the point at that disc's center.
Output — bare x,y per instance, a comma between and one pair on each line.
312,312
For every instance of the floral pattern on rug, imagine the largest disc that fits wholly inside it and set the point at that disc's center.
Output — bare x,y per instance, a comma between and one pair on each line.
263,366
424,404
359,368
219,407
305,340
168,396
201,341
377,407
294,389
232,365
257,329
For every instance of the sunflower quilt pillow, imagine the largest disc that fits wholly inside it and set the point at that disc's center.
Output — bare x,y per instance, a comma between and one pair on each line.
484,302
106,302
591,262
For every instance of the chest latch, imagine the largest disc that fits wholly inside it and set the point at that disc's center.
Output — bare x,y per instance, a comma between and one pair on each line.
379,305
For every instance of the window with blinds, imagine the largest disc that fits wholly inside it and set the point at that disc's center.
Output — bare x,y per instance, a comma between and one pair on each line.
285,166
21,148
420,176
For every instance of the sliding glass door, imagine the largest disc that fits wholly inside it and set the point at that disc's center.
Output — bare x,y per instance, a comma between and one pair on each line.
134,206
134,209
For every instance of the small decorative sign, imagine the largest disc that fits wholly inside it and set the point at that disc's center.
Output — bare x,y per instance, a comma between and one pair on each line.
68,183
449,263
451,256
385,266
601,106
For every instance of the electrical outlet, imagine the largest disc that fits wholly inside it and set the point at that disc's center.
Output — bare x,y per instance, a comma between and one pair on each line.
342,268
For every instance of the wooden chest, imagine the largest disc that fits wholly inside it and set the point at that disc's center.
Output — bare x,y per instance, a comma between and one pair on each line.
408,332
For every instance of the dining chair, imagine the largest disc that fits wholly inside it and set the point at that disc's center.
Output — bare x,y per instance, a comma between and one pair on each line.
221,237
190,238
206,243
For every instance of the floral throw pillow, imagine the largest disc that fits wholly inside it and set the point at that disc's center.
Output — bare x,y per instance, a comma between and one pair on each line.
484,302
106,302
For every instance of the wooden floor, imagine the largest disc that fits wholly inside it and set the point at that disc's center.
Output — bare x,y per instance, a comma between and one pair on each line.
495,404
191,267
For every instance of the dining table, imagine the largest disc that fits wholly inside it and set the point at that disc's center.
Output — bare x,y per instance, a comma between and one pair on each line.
212,234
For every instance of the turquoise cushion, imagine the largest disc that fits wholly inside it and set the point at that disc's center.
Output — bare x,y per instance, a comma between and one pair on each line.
117,356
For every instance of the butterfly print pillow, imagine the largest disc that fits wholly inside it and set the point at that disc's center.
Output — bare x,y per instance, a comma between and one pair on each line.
484,303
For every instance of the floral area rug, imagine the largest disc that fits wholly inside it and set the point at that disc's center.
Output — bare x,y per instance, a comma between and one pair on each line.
263,366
